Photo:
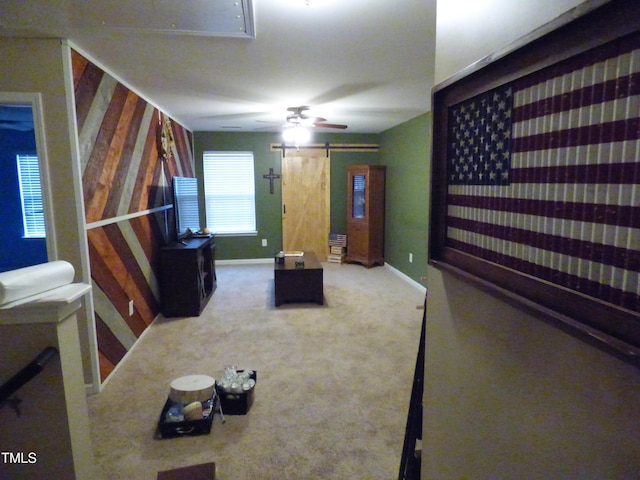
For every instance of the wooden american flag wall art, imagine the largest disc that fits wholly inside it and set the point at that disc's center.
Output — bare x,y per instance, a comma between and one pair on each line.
536,176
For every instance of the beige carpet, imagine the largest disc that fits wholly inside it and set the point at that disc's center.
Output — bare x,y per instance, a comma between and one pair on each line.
333,387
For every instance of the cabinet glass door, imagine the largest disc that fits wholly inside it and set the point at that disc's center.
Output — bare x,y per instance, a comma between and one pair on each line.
359,186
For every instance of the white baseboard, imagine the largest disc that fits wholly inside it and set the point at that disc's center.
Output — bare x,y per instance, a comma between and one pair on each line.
245,261
406,278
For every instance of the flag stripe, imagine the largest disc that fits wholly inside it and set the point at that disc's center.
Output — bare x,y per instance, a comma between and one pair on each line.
616,173
591,95
613,111
567,265
618,152
618,131
622,215
594,288
625,195
586,250
623,237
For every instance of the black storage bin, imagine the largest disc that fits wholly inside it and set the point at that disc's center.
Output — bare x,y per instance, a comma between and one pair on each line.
236,403
187,427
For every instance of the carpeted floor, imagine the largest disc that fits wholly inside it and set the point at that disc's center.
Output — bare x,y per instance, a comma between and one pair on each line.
333,387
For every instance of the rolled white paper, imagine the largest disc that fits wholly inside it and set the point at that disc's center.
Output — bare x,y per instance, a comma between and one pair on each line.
28,281
192,388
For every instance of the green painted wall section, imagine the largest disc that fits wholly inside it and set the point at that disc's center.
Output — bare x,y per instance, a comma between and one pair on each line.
268,217
406,151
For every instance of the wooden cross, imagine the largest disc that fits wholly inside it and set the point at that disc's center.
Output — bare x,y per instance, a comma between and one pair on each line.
271,176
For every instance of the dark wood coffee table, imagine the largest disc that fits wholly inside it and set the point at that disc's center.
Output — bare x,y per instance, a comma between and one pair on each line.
299,284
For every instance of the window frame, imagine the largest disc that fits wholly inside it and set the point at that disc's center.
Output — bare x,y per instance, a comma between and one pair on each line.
247,182
34,100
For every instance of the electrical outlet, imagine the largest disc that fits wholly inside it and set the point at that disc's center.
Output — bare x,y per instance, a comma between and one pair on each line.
264,242
131,310
411,258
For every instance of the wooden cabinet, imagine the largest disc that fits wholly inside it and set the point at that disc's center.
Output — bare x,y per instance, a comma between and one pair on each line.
365,214
187,276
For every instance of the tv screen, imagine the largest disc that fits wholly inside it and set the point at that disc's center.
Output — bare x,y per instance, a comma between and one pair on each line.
185,205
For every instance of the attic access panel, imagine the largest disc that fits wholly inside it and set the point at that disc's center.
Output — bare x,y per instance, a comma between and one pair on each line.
206,17
222,18
536,175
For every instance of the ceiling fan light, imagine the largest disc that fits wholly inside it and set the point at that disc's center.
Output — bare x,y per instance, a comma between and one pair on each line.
296,135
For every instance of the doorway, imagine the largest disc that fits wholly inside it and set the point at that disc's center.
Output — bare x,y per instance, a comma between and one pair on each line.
306,201
25,204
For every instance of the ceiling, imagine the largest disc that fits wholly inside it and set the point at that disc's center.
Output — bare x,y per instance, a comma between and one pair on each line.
236,65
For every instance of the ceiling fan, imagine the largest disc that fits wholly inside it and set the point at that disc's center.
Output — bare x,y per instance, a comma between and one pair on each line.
298,118
298,124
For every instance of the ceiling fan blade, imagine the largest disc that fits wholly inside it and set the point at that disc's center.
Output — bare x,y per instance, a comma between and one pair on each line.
329,125
298,110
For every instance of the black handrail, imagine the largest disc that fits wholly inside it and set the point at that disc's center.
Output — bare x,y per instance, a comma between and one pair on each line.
12,385
410,462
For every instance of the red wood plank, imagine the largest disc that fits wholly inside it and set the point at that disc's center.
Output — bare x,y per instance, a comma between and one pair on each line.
92,178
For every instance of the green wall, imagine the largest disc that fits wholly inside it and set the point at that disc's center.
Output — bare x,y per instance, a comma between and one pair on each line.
268,218
406,151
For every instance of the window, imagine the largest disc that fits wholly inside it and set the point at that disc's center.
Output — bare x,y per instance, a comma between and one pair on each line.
185,198
31,196
229,190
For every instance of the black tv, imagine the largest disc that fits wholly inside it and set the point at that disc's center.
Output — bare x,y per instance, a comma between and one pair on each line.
185,205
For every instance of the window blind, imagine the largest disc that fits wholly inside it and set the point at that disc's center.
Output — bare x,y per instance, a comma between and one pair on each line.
186,198
31,196
229,188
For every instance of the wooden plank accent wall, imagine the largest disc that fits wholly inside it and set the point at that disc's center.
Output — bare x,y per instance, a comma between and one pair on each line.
123,178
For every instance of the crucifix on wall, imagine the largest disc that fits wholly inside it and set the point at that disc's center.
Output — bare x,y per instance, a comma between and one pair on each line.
271,176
